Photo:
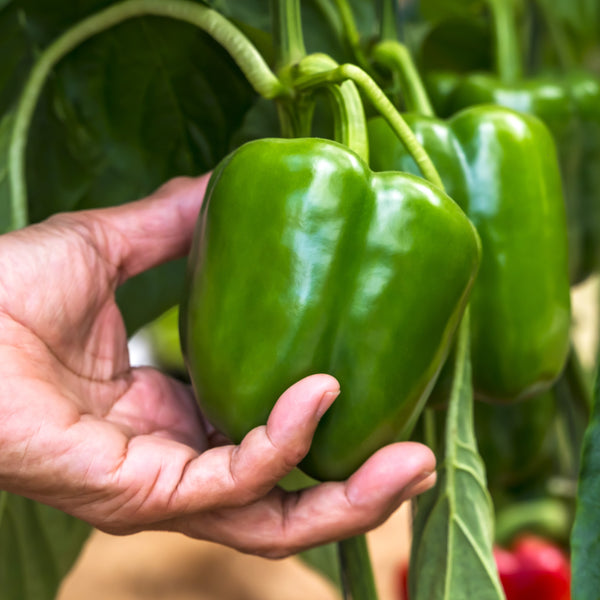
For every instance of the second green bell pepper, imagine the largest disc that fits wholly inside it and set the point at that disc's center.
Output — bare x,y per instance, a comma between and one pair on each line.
570,108
501,167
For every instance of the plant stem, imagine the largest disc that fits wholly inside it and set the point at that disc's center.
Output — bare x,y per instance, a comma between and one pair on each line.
509,65
233,41
388,10
357,578
287,32
348,112
349,25
380,101
396,57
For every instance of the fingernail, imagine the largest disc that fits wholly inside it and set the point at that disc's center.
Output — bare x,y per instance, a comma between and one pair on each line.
326,401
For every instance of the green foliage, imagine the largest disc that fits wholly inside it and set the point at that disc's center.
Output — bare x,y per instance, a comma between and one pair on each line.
453,534
146,101
458,44
585,537
137,105
436,11
6,125
38,546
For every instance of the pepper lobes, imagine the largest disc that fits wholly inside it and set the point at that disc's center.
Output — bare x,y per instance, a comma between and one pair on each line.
570,107
501,167
304,261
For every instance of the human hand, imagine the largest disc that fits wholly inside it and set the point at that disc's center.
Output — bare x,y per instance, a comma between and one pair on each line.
126,449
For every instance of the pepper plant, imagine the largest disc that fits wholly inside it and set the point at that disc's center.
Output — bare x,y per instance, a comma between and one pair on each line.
412,238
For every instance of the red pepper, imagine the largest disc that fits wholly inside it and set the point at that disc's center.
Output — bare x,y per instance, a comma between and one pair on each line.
532,569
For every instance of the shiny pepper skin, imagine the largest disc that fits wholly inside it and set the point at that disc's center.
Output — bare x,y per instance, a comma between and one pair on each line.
501,167
569,105
305,261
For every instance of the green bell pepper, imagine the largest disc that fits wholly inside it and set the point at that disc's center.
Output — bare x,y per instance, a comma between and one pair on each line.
511,438
305,261
568,102
570,107
501,167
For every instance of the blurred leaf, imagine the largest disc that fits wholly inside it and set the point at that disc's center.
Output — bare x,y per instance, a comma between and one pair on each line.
585,536
453,535
6,125
435,11
143,102
38,546
16,52
581,17
323,559
458,45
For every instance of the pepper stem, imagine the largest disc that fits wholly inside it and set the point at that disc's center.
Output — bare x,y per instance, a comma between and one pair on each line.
388,10
508,53
357,578
346,104
246,56
396,57
383,105
287,31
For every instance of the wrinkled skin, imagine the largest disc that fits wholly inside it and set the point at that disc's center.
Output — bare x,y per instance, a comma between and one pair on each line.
126,448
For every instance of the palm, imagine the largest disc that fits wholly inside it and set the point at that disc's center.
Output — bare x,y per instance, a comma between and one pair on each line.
73,349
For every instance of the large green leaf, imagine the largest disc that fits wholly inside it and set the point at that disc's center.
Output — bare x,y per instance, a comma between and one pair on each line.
585,536
145,101
451,557
435,11
38,546
458,44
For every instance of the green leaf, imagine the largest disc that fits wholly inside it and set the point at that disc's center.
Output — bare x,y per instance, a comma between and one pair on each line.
435,11
38,546
323,559
585,536
141,103
458,44
147,296
451,556
6,125
16,52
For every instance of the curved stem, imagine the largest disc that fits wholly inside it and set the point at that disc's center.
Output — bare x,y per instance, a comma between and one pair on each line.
508,53
351,31
380,101
357,578
396,57
350,121
235,43
287,31
348,112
